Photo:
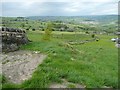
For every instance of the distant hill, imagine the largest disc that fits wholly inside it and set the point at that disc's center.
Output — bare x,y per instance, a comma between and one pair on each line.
95,18
102,18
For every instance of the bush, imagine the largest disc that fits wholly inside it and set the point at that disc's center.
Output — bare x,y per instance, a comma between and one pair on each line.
87,32
43,29
93,35
48,32
33,29
27,28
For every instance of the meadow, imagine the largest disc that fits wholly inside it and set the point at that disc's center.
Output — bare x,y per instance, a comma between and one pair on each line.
92,64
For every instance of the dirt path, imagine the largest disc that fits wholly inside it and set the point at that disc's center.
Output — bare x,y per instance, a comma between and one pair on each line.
66,84
19,65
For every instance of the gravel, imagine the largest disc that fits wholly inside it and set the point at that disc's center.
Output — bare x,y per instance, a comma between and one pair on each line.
18,66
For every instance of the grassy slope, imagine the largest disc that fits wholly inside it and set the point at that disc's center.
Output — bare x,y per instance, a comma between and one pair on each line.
94,64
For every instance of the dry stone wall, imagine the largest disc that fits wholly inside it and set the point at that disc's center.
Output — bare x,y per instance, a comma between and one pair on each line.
12,39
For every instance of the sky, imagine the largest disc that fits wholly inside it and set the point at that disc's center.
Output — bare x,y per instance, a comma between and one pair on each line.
15,8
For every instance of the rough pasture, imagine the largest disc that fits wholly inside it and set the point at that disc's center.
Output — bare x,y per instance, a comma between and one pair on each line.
92,64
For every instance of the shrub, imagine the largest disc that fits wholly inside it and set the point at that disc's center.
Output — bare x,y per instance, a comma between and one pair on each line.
93,35
27,28
48,32
87,32
33,29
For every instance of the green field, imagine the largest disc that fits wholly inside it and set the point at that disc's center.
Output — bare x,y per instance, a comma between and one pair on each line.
92,64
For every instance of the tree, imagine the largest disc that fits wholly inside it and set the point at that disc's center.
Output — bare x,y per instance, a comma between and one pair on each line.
33,29
22,25
93,35
48,32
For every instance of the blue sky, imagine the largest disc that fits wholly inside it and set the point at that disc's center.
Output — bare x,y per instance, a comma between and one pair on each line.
58,7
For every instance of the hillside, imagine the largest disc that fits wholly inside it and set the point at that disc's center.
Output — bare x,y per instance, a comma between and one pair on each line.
95,18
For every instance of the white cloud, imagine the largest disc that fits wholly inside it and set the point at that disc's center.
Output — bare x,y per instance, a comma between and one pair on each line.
58,7
106,8
60,0
74,7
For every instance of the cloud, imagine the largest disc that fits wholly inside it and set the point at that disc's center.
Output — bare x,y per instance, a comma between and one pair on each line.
58,7
106,8
60,1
